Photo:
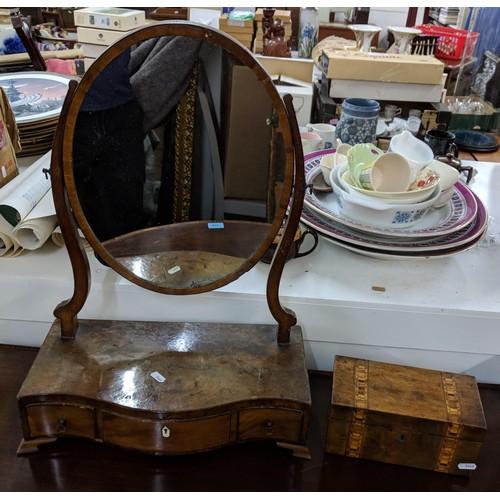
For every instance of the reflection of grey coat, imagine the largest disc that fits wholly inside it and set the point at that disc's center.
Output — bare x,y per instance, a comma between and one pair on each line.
160,69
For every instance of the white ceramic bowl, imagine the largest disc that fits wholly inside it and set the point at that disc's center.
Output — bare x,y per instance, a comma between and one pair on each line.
377,213
330,160
417,152
444,197
405,197
447,174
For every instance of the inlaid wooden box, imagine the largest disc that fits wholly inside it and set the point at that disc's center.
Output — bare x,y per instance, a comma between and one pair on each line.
403,415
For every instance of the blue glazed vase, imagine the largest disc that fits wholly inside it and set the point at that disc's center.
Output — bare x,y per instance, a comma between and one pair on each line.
358,121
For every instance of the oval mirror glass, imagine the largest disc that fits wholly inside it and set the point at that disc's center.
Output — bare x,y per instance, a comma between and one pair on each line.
178,158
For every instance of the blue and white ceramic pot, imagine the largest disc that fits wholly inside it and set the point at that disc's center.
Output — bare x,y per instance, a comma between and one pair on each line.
358,121
308,31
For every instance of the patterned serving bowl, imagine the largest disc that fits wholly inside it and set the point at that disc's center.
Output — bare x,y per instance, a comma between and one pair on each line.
420,190
379,212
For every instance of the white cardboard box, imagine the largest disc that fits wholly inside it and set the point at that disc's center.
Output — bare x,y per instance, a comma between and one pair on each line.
301,69
87,62
302,93
98,36
416,92
110,18
93,50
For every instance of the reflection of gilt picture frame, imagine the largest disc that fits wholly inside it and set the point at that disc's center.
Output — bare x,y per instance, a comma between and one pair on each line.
184,145
35,96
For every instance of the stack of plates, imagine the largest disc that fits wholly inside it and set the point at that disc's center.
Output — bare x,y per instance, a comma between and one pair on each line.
36,99
455,227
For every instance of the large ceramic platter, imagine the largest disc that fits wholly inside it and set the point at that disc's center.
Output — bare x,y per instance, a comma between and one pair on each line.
391,255
35,95
340,233
475,142
459,212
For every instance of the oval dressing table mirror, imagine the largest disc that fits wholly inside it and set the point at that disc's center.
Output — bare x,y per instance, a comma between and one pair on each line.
180,163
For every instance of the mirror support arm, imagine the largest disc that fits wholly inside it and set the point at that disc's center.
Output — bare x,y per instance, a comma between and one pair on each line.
285,317
67,310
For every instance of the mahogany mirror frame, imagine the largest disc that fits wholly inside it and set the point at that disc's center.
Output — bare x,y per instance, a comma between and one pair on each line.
70,213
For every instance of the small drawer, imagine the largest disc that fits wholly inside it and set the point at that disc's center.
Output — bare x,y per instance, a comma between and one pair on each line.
167,436
270,423
60,420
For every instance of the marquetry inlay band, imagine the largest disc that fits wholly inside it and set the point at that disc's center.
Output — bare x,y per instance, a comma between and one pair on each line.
358,421
361,384
452,436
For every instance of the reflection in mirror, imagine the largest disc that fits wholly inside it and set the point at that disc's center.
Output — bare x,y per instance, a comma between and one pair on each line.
179,161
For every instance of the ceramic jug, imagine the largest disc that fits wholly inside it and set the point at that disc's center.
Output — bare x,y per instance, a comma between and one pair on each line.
358,121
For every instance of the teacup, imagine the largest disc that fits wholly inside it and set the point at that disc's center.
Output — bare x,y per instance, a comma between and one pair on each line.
417,152
310,142
391,111
294,252
361,157
325,131
328,162
441,142
390,173
413,124
342,147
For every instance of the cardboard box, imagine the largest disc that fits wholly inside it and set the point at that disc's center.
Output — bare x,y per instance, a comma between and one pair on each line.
98,36
248,137
93,50
386,91
8,162
325,108
110,18
235,24
9,141
486,120
87,62
246,38
237,31
300,69
302,93
381,67
403,415
284,15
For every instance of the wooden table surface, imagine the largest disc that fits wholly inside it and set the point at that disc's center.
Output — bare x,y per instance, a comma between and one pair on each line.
80,465
491,157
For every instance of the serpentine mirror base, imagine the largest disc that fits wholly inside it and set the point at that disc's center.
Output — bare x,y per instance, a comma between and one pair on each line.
167,388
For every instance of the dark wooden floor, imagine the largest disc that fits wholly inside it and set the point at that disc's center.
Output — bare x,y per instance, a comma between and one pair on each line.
77,465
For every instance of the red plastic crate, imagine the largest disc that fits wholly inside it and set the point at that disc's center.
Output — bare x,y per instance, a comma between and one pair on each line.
451,42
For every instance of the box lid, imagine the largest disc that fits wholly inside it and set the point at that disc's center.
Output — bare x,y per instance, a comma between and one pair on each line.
110,11
290,83
382,67
407,392
300,69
